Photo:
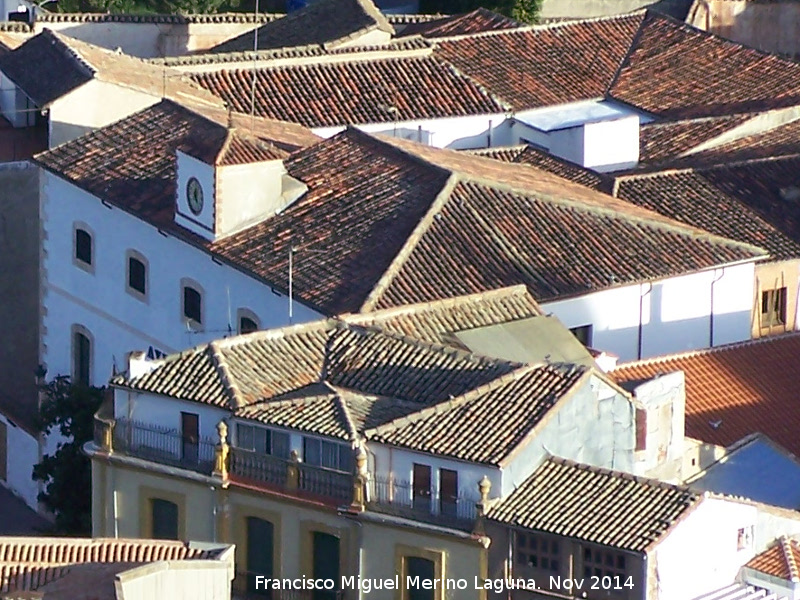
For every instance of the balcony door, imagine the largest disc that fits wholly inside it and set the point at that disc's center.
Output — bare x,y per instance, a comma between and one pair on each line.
190,435
326,563
259,554
164,519
420,571
448,492
422,488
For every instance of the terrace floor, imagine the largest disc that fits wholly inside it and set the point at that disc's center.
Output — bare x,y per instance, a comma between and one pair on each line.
20,143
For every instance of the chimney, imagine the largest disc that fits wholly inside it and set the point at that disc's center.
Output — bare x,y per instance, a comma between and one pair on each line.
605,361
603,145
139,365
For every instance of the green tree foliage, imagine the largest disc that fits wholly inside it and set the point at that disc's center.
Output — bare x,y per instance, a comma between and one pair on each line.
525,11
67,473
168,7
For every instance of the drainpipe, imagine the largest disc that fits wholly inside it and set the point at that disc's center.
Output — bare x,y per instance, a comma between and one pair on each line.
711,314
489,136
642,296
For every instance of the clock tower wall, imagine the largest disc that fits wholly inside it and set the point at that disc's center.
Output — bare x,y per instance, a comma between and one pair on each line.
195,202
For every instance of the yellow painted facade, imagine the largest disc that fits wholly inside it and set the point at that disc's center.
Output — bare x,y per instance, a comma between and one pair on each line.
371,547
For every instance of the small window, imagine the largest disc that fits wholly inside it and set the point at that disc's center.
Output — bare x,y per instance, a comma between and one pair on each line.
583,334
262,440
537,552
137,274
603,563
83,247
641,429
248,322
164,519
773,307
81,356
745,538
192,304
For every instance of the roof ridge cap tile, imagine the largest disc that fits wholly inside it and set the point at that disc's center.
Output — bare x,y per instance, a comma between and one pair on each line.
339,399
224,374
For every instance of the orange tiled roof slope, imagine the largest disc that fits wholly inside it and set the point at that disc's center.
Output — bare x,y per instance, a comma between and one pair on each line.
540,66
64,64
674,70
476,21
736,390
325,22
376,90
781,560
27,564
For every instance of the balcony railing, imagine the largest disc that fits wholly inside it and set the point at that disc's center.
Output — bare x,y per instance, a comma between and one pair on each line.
244,588
291,475
161,445
389,496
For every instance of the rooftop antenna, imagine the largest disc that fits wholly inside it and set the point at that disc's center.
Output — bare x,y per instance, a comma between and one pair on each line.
253,86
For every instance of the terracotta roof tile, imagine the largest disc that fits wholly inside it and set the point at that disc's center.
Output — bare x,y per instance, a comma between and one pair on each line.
76,17
674,70
781,560
322,22
740,202
328,94
477,21
131,163
665,140
64,64
486,424
734,391
595,505
540,66
438,321
521,238
504,153
553,164
28,564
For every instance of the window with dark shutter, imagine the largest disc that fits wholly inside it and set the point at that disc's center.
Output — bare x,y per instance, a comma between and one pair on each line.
192,304
137,275
83,246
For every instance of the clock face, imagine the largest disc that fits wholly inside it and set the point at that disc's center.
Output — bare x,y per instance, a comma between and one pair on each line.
194,196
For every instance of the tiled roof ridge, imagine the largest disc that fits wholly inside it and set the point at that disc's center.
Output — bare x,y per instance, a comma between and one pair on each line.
656,221
411,45
567,163
409,18
86,17
282,402
342,404
617,474
491,149
426,345
15,27
725,162
788,547
703,351
405,309
276,333
225,377
65,45
453,402
507,106
626,56
442,198
544,26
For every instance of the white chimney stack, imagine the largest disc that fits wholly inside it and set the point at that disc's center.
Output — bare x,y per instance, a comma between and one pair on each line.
139,365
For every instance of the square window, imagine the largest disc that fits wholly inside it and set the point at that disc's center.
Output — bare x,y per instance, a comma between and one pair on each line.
773,307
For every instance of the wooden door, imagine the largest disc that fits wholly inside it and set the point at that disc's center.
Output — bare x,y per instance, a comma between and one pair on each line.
259,554
448,492
422,488
326,563
190,435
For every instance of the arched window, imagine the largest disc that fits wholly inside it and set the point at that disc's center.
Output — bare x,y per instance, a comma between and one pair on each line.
83,247
136,267
192,302
247,321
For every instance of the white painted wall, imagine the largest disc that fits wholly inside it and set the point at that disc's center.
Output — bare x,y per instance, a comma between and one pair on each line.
23,453
700,554
118,321
459,133
178,580
609,145
675,313
91,106
387,461
166,412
